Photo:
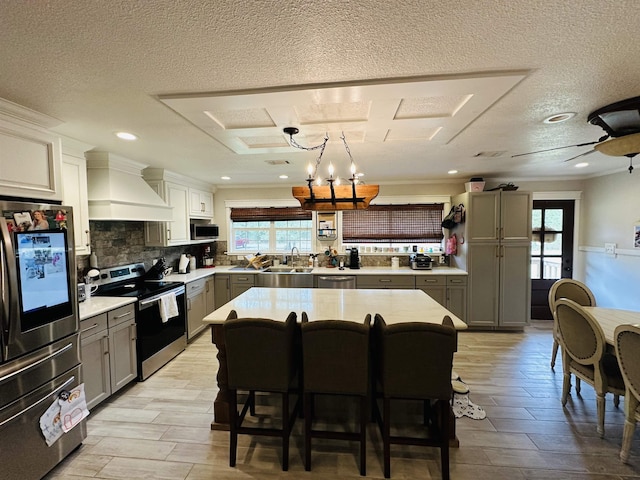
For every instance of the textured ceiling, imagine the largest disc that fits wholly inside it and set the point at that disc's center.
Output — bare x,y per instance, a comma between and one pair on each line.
102,67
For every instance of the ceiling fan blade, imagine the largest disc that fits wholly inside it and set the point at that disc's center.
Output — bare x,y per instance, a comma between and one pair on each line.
556,148
593,150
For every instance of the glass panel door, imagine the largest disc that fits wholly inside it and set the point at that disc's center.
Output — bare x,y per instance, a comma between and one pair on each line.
551,250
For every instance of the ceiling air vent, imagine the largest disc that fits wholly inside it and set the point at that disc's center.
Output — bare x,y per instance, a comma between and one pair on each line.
277,162
496,153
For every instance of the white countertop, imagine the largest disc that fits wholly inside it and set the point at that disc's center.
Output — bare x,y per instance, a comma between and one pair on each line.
97,305
196,274
337,271
395,306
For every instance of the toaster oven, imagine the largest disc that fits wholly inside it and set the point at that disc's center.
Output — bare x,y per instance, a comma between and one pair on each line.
420,261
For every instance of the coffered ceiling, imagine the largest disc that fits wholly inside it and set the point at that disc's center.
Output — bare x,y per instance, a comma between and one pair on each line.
418,88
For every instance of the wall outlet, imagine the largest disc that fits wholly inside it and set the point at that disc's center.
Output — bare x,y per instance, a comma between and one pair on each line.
610,248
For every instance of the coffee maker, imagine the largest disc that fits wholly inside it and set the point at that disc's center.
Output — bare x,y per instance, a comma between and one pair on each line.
354,259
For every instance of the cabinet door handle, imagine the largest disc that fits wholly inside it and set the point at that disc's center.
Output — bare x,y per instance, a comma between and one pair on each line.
431,280
89,328
123,315
455,281
168,234
384,280
88,234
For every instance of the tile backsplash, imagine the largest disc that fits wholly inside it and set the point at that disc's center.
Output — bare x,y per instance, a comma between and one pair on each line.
120,243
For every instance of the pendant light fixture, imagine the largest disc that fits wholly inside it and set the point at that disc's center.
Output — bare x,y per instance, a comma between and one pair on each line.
332,195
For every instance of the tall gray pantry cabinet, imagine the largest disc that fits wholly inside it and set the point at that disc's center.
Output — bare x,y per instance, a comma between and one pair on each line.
494,246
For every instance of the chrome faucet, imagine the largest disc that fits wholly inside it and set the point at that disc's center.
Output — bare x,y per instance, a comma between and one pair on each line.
293,261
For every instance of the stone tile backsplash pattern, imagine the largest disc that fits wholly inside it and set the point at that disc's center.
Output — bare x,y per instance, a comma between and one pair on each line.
119,243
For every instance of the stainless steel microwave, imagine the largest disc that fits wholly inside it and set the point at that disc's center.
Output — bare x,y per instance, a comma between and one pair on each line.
203,231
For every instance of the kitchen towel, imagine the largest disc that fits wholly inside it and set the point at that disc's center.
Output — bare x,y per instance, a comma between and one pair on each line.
168,307
64,413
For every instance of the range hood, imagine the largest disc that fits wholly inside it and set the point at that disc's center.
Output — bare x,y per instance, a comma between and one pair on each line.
117,191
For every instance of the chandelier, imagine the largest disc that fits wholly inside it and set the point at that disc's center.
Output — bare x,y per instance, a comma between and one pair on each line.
333,195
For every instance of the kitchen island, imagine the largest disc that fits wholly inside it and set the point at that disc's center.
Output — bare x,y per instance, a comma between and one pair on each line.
396,306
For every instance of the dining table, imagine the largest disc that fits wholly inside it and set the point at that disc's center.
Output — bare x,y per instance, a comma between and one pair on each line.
394,305
610,318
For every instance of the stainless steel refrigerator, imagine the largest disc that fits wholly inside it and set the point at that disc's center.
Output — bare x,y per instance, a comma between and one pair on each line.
39,334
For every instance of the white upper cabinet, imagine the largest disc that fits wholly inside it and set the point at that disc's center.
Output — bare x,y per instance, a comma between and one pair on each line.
201,204
74,183
30,155
178,192
74,191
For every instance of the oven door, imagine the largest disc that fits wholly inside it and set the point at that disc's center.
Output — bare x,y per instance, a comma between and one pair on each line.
158,341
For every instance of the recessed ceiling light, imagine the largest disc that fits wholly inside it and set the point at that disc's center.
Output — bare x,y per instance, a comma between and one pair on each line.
283,176
559,117
126,136
582,165
359,174
452,172
225,178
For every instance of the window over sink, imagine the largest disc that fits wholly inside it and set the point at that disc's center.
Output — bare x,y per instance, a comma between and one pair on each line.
270,229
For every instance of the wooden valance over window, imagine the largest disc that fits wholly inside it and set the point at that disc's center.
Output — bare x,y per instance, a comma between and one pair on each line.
393,224
256,214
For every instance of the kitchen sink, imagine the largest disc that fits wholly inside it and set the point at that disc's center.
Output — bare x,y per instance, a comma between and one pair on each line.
288,269
279,269
285,277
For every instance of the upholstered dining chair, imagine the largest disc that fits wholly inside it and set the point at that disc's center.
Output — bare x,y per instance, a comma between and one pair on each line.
261,357
573,290
583,355
413,361
335,359
627,345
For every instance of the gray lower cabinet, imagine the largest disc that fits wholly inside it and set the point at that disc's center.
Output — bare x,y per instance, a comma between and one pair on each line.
435,286
94,348
108,349
229,286
209,295
222,289
450,291
196,307
457,296
384,281
122,346
241,283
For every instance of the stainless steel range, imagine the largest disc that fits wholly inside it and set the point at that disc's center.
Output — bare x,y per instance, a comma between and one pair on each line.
158,340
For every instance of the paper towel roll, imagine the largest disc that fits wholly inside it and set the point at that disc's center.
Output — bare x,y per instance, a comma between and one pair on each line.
183,263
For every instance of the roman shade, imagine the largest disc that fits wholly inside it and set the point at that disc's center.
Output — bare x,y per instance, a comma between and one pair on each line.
393,224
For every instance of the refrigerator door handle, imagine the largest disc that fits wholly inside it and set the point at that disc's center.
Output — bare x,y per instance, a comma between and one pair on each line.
35,404
36,363
11,278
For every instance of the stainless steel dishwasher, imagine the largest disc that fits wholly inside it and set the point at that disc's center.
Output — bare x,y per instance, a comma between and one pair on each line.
336,281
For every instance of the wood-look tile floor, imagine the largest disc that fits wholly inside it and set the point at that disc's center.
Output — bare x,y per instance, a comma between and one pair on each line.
160,428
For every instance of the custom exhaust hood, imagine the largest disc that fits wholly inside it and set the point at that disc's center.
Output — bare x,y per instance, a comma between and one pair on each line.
117,191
